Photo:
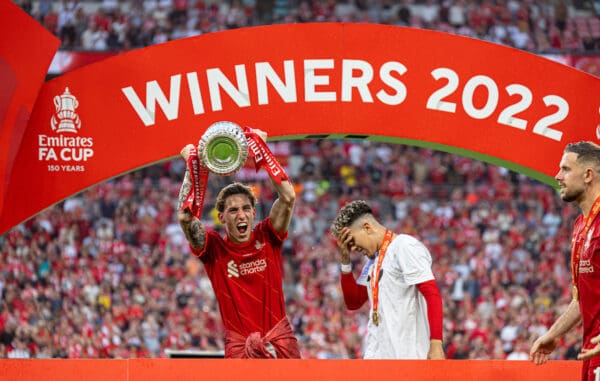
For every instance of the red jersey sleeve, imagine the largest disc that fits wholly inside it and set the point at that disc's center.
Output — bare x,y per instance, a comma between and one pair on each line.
355,295
266,226
435,313
202,253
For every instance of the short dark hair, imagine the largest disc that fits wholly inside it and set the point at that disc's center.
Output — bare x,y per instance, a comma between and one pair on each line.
348,214
587,152
232,189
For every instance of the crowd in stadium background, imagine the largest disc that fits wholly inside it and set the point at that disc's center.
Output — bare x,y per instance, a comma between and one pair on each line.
533,25
107,273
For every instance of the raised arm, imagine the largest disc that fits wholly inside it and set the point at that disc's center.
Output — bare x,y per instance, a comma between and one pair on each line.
283,207
192,227
355,295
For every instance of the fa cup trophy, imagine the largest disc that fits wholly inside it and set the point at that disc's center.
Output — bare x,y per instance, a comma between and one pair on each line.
223,148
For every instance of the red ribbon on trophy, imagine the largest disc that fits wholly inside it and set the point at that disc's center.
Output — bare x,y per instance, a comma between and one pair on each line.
198,178
263,157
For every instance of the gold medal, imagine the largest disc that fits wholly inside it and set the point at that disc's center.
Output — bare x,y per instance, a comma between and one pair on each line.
575,293
375,317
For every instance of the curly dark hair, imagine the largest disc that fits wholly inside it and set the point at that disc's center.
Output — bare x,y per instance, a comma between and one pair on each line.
230,190
348,214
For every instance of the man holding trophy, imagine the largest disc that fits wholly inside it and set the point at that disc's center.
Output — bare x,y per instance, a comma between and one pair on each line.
244,266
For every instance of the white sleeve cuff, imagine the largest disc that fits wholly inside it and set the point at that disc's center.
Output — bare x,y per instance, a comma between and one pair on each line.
346,268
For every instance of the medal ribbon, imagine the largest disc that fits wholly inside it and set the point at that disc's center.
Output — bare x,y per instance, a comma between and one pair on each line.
198,177
387,239
263,157
579,238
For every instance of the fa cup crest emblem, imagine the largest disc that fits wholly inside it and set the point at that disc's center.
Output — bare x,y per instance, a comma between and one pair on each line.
65,119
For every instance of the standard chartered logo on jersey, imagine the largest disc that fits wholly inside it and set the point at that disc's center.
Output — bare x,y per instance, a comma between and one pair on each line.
235,271
64,151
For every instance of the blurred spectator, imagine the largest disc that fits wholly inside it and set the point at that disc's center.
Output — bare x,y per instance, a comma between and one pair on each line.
94,38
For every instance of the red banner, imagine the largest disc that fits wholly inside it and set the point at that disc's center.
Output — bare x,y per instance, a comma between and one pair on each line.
289,370
26,49
397,84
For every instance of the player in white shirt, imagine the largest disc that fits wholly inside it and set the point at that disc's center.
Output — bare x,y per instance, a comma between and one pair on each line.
405,318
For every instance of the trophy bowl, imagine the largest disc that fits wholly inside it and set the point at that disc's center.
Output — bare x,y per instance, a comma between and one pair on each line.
223,148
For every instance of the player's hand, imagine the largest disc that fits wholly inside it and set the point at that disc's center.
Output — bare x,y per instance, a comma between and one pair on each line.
261,134
185,151
587,353
436,350
345,244
541,349
185,216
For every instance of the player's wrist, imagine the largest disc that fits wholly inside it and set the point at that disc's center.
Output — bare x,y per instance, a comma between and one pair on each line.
346,268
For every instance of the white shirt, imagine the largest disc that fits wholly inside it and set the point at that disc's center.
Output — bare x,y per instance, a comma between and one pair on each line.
403,330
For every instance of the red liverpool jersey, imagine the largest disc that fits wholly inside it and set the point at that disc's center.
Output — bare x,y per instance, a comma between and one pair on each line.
589,279
247,278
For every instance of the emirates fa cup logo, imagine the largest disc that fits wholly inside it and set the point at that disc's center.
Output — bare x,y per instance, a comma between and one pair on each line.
65,119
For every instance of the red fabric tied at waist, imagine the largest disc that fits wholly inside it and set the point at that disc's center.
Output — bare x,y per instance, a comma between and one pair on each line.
254,346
